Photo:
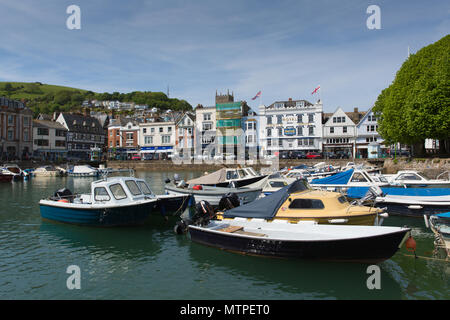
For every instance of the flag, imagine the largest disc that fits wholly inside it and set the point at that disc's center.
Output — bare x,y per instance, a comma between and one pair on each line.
257,95
315,90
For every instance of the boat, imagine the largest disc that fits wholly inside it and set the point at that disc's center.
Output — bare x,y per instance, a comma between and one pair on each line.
214,194
304,240
440,225
413,179
297,202
226,177
14,171
355,178
414,202
48,171
5,177
115,201
272,183
83,171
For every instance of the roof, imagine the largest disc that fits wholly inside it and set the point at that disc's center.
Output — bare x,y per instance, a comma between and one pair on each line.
290,103
48,124
81,123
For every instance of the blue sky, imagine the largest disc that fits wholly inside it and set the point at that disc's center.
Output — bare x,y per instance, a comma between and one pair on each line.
283,48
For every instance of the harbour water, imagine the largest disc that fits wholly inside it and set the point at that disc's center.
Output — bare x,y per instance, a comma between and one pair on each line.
151,262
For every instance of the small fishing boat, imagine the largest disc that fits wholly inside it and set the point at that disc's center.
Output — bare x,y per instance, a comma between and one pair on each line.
440,225
304,240
413,179
297,202
273,183
226,177
83,171
116,201
47,171
213,194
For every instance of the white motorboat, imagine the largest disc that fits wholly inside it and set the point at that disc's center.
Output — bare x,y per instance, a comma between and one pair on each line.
413,179
84,171
226,177
116,201
48,171
13,170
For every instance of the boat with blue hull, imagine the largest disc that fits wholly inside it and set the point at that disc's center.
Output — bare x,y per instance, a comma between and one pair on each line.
413,202
117,201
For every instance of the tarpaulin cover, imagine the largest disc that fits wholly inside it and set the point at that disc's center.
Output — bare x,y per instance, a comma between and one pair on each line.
212,178
338,178
359,192
444,215
268,206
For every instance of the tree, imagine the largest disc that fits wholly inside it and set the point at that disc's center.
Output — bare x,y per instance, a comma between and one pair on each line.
416,106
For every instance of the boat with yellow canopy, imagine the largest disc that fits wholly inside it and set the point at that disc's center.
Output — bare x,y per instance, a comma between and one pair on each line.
297,202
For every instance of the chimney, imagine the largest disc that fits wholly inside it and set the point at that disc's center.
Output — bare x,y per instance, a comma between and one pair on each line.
355,110
290,99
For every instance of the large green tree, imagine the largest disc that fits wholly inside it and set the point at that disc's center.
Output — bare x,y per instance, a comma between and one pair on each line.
416,106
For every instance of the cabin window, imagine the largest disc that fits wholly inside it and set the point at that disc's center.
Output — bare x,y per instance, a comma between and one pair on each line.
342,199
306,204
100,194
277,184
132,186
232,175
144,187
118,191
242,173
358,177
408,176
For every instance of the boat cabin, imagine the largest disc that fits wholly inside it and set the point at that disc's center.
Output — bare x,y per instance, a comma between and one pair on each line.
116,190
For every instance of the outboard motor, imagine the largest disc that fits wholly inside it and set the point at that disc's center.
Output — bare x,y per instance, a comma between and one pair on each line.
229,201
199,216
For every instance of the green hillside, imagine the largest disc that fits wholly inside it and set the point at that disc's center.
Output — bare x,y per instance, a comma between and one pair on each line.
46,98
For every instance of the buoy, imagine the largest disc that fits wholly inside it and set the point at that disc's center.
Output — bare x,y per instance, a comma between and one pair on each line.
198,187
411,245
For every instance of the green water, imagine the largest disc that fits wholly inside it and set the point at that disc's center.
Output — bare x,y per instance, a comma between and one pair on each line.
150,262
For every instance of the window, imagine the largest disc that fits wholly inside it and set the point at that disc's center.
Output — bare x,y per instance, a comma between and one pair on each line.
277,184
344,129
206,116
269,142
306,204
207,126
311,131
10,120
42,131
133,187
331,129
144,187
408,176
165,139
117,191
358,177
144,130
280,132
148,140
279,119
300,142
100,194
25,135
161,129
169,129
26,121
269,120
311,117
342,199
152,130
299,118
299,130
129,136
269,132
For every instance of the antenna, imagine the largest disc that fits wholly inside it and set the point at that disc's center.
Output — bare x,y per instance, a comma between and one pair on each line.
168,91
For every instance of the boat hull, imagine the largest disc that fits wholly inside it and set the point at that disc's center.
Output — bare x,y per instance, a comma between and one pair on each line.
172,205
372,249
131,215
412,210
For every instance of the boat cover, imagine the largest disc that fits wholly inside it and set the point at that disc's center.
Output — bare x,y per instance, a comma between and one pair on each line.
212,178
338,178
359,192
268,206
444,215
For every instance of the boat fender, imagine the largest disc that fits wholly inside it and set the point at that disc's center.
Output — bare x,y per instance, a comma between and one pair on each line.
426,221
197,187
411,245
64,201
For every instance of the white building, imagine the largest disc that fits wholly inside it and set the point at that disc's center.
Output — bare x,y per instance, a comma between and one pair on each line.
205,126
185,128
157,137
290,126
250,125
339,134
367,132
49,140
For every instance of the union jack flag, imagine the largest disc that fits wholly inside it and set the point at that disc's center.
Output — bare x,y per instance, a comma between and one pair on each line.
257,95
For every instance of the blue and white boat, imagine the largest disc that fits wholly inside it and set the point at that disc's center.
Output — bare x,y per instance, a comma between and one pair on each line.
83,171
413,179
352,178
440,225
116,201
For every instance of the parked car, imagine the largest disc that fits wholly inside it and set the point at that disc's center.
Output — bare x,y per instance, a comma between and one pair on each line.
136,157
400,153
284,155
147,156
313,155
298,155
342,155
330,155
